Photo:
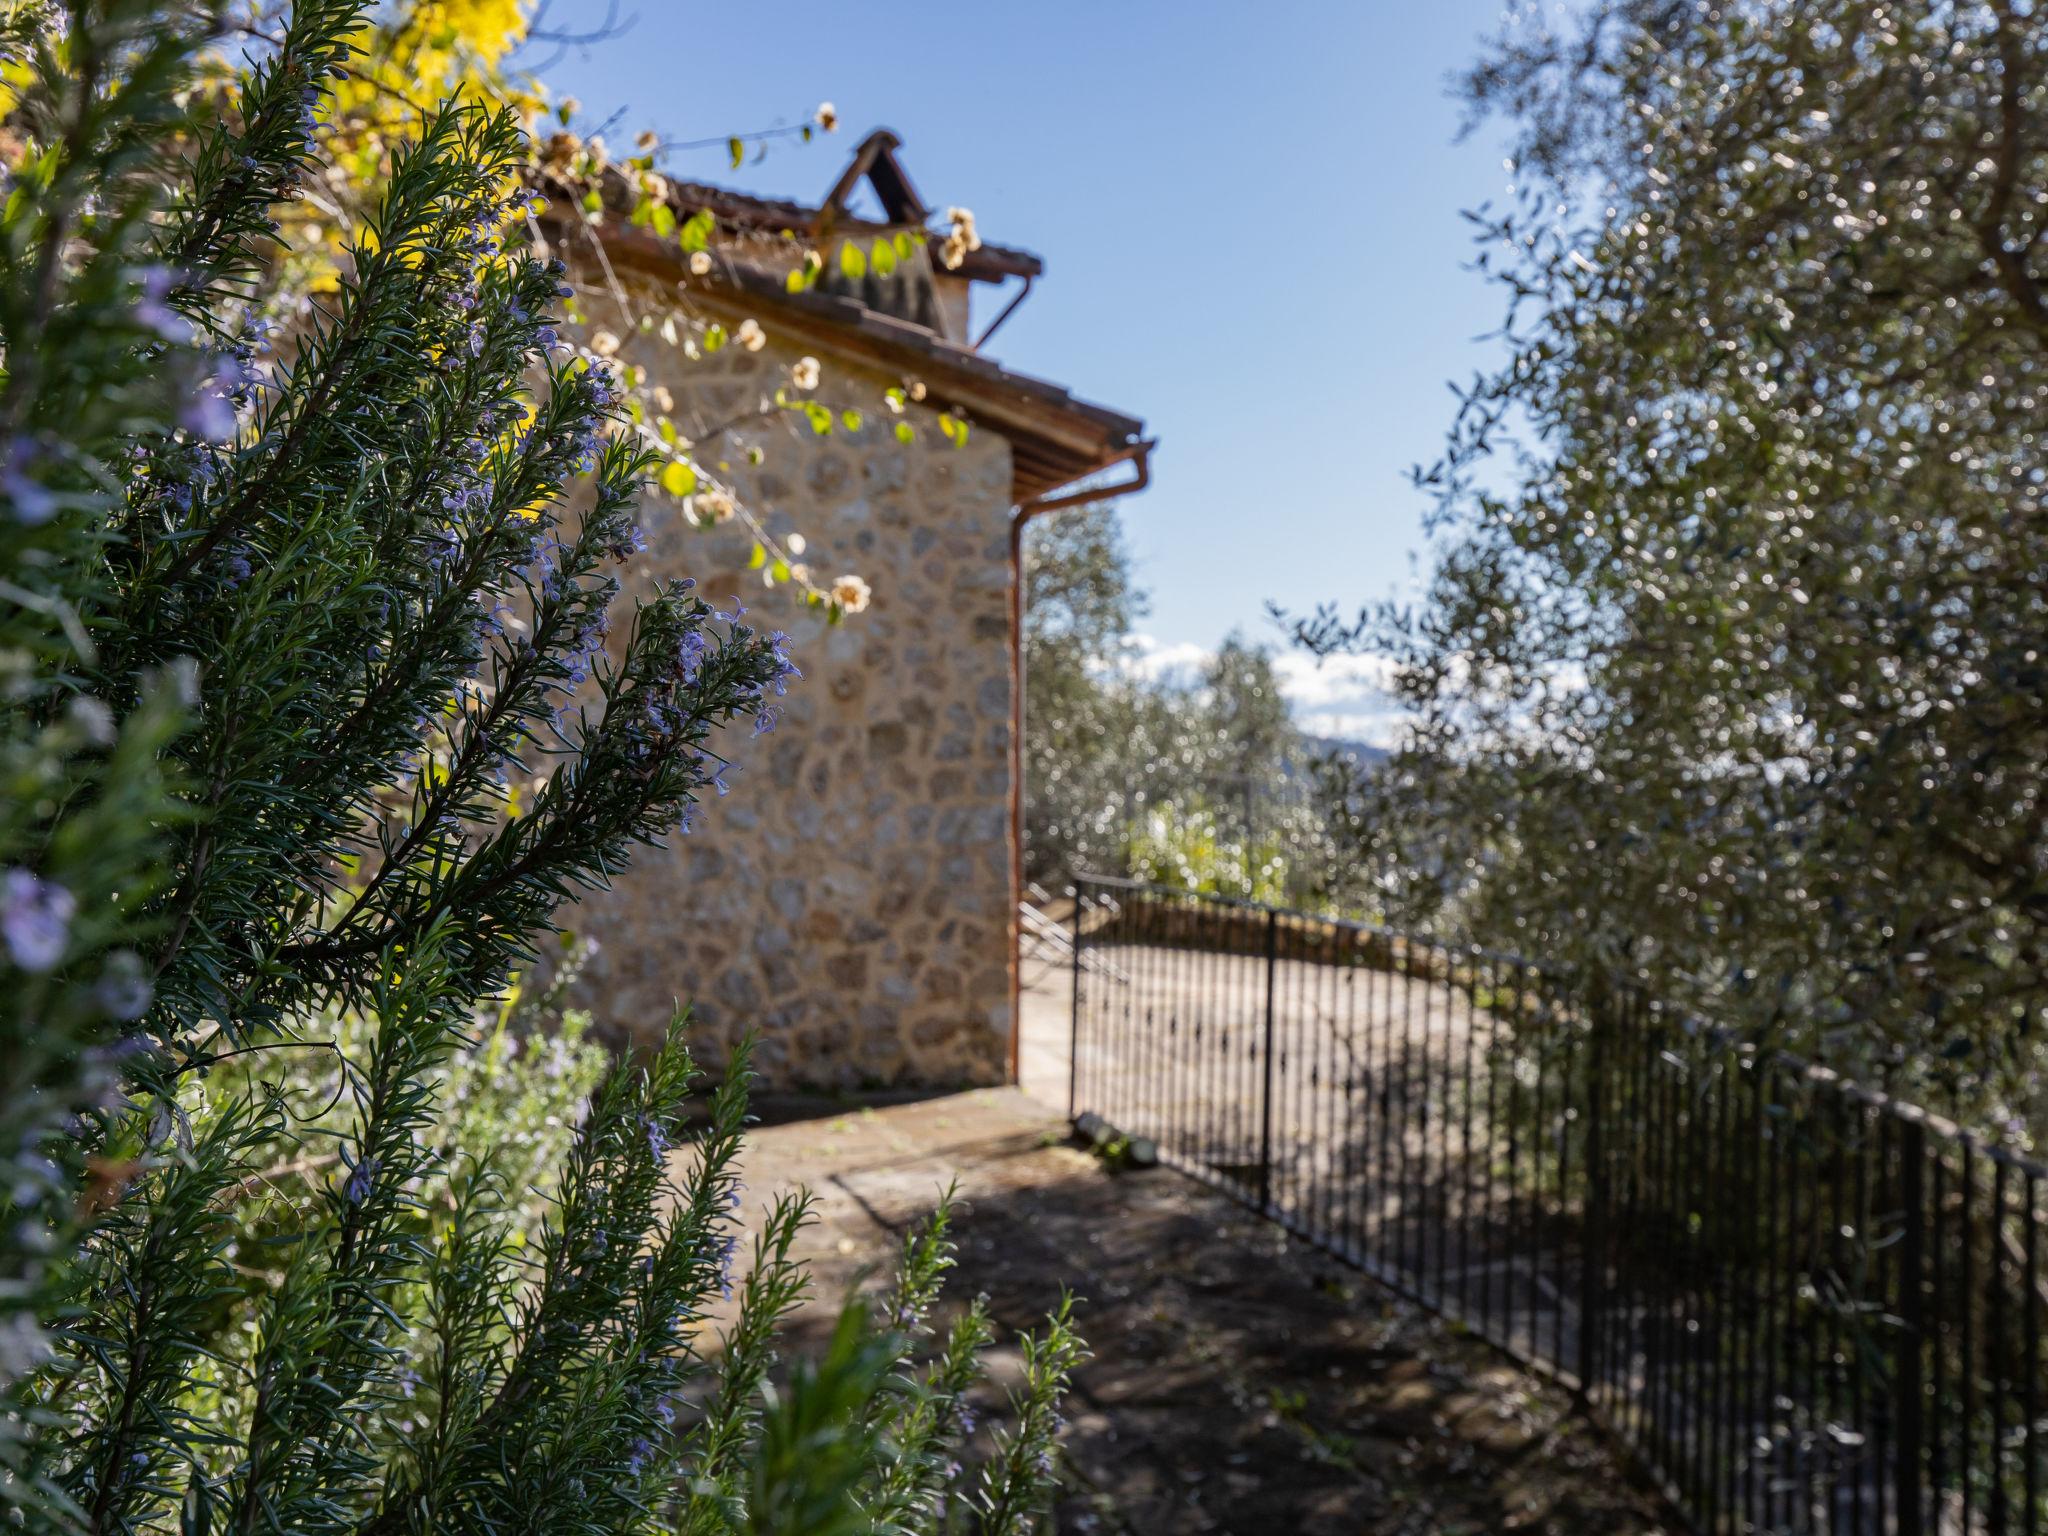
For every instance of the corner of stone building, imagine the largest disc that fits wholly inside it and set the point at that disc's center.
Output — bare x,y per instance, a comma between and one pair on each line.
852,900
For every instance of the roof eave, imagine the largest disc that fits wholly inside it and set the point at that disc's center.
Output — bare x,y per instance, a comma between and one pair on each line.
1055,437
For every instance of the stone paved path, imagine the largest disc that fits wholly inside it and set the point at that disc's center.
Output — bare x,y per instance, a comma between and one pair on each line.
1241,1382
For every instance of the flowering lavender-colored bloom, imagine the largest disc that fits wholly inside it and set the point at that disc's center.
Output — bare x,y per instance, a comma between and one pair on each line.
690,653
785,669
766,721
361,1180
153,314
718,778
35,919
726,1245
463,498
604,389
210,414
443,545
657,1135
31,503
235,568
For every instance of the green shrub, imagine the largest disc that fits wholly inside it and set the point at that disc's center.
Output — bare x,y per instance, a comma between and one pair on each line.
316,700
1188,848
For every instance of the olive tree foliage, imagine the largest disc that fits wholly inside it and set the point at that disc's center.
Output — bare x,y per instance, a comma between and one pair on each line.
1080,603
1199,779
322,691
1732,676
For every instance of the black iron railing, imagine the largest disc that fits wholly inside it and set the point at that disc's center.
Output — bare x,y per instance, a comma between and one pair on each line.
1807,1307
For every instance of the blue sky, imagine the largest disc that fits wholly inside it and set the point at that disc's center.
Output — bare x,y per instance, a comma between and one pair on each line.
1250,218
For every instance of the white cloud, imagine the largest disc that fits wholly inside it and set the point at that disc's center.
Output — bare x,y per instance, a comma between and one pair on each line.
1156,661
1344,697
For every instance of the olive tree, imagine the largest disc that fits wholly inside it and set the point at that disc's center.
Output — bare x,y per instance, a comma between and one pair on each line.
1732,675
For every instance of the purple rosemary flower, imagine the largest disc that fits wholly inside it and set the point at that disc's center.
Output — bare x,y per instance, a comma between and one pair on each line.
153,314
361,1180
31,503
210,413
35,919
778,650
690,653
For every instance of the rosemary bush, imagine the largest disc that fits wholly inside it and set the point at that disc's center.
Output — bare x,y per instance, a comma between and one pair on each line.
317,696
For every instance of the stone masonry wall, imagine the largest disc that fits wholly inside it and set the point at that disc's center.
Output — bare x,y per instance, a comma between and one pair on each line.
852,897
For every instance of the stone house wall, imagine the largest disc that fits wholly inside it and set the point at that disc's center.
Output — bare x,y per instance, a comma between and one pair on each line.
852,897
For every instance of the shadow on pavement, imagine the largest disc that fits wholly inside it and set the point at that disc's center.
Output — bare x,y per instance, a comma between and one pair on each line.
1242,1382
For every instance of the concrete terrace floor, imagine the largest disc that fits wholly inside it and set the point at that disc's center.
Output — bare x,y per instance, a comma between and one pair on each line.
1241,1381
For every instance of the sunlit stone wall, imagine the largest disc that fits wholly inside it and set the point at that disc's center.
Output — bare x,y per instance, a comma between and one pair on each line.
851,898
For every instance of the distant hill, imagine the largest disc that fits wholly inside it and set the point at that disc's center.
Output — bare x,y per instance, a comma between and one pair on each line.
1365,752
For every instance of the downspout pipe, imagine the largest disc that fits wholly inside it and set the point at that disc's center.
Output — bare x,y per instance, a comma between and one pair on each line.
1139,456
1008,310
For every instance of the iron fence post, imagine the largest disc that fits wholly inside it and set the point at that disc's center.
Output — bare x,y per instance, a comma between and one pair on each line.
1266,1091
1912,1329
1074,1010
1591,1300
